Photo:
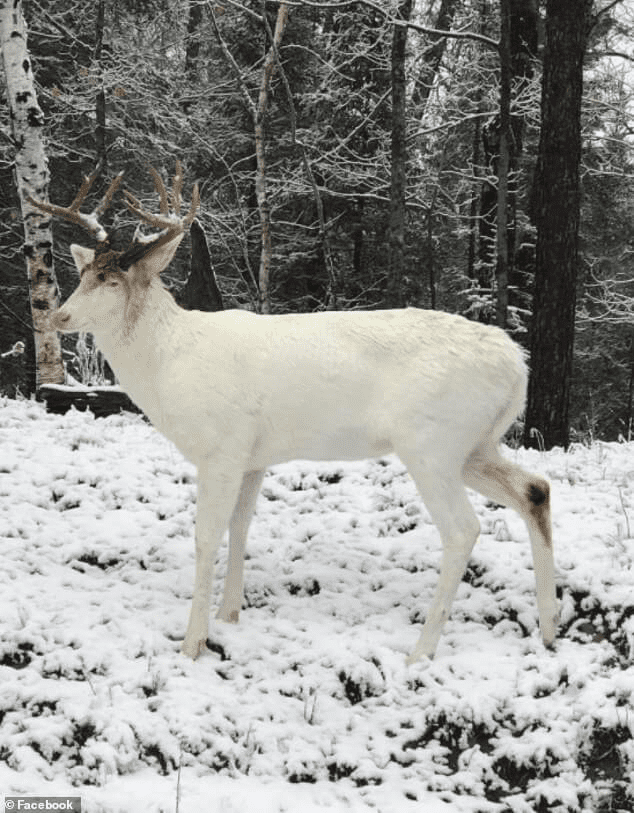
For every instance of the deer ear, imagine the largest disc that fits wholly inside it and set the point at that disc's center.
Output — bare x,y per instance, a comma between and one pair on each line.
157,259
82,256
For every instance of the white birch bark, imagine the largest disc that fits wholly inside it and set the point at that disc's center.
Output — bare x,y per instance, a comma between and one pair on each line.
31,172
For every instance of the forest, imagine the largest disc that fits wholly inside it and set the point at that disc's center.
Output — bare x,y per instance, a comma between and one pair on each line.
472,156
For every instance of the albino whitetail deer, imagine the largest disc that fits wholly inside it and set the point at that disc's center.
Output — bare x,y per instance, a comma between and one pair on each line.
237,392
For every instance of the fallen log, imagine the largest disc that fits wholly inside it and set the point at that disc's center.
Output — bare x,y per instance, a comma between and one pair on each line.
101,401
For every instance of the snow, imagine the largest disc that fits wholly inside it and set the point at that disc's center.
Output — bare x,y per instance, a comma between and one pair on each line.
306,704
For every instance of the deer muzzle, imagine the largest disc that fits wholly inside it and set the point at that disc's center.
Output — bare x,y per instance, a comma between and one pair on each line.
60,320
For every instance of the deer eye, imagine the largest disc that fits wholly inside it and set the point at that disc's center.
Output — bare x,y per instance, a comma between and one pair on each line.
101,276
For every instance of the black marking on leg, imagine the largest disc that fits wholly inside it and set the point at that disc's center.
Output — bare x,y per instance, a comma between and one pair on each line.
537,495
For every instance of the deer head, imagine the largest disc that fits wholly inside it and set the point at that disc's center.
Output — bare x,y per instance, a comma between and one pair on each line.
112,283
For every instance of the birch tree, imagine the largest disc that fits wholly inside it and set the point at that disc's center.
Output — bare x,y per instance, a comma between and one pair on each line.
31,174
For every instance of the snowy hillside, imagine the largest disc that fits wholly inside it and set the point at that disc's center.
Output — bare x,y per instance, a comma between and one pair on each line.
306,704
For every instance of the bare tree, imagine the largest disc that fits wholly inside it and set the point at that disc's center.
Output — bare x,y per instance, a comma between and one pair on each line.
258,110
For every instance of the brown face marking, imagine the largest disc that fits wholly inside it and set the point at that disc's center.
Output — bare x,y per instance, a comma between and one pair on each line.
107,260
103,268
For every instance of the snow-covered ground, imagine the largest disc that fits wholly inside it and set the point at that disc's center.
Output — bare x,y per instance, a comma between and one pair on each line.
306,705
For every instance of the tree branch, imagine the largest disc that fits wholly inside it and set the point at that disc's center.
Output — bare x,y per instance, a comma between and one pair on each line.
235,68
423,29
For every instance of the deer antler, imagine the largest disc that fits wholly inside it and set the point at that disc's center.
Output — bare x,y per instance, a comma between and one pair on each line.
168,200
169,220
170,223
90,222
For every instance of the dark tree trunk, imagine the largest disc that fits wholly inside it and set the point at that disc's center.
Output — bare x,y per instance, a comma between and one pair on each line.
433,54
556,198
502,203
100,102
524,46
429,253
192,49
398,188
629,413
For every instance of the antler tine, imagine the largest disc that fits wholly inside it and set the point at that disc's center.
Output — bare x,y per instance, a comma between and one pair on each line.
84,189
187,220
109,194
161,191
177,188
160,221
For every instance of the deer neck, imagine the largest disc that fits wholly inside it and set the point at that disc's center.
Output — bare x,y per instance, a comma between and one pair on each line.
140,346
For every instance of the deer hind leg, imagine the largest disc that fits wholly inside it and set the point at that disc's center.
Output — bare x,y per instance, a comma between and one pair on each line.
487,472
216,499
238,529
447,502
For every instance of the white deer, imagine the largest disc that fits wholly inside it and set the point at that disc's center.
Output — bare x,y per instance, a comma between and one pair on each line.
238,392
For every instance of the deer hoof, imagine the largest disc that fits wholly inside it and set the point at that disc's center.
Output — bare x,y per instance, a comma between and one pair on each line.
192,649
229,616
419,657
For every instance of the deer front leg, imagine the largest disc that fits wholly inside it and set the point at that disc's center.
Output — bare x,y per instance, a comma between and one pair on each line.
217,493
238,528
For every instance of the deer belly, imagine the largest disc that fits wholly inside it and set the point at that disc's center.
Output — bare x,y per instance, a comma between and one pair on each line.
341,443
